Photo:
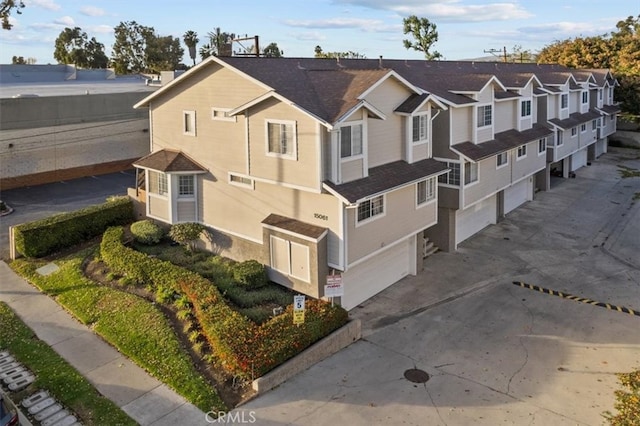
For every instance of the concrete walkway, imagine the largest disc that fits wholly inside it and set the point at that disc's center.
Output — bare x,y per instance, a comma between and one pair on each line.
145,399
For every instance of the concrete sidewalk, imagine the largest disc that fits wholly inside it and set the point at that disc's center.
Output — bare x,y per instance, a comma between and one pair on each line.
145,399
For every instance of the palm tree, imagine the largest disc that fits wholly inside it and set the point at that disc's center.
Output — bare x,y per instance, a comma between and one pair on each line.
191,39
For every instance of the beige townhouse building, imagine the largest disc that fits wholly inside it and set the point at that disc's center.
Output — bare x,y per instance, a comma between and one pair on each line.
317,167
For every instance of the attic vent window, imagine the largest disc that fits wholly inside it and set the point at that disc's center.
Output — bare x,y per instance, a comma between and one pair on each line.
222,114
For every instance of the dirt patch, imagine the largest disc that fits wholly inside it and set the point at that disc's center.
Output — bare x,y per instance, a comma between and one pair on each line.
231,390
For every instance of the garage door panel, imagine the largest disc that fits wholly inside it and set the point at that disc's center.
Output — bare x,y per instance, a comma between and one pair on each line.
374,275
475,218
517,194
579,159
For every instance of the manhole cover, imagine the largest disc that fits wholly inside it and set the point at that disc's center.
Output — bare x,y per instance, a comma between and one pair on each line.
416,376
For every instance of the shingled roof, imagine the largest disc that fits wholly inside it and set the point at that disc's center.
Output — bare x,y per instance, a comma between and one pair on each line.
575,119
502,142
610,109
387,177
295,226
168,161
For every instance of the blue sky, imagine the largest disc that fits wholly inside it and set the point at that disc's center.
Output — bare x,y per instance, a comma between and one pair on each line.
371,27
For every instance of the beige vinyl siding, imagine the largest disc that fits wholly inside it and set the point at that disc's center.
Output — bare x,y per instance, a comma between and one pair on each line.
528,165
461,130
216,141
575,100
440,135
420,151
400,219
588,137
448,197
552,106
159,207
186,211
241,211
352,170
302,170
486,95
504,115
609,127
571,144
485,134
385,137
490,180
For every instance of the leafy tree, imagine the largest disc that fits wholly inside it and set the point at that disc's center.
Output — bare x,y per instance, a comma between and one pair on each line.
73,47
163,53
272,51
519,55
424,33
190,39
130,46
6,6
18,60
618,51
318,53
187,234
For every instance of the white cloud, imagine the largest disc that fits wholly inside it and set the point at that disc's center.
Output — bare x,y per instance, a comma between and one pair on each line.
447,10
44,4
308,36
92,11
67,21
100,29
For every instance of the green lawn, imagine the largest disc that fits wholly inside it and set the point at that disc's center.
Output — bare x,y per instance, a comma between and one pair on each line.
55,375
133,325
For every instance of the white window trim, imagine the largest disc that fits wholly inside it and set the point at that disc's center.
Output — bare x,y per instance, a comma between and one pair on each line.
559,139
574,134
561,96
370,219
463,175
506,163
362,135
484,126
192,118
524,117
583,126
427,201
292,123
545,147
583,102
426,139
168,184
222,117
521,156
190,197
450,185
251,185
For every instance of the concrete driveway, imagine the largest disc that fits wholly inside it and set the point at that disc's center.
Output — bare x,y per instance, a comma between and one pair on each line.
41,201
495,353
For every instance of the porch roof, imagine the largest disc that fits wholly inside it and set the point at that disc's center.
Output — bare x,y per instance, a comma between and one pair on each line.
502,142
295,226
575,119
610,109
168,161
386,177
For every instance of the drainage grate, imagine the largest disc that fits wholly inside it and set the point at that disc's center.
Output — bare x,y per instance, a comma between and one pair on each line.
416,376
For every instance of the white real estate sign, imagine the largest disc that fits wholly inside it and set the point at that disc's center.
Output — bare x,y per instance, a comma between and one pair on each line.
334,287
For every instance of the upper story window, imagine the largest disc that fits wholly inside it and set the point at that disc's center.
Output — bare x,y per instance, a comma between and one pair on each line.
484,115
599,94
470,172
583,128
525,109
542,145
522,152
350,140
158,183
594,124
564,101
222,114
502,159
425,191
186,186
453,177
420,128
189,123
585,97
604,120
371,208
559,140
281,138
574,131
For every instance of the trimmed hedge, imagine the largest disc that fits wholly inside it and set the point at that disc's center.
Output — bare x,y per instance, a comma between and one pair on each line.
250,274
244,348
43,237
146,232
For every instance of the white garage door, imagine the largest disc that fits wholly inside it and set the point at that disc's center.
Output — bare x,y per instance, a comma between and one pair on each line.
374,275
579,159
517,194
601,145
474,218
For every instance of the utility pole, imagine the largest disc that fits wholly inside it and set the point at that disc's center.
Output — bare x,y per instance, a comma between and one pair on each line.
246,52
502,51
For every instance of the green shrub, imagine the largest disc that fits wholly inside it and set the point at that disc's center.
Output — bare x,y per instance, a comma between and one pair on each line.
250,274
43,237
146,232
241,346
186,234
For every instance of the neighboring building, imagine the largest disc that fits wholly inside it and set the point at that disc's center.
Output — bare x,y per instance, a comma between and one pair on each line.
58,123
316,166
